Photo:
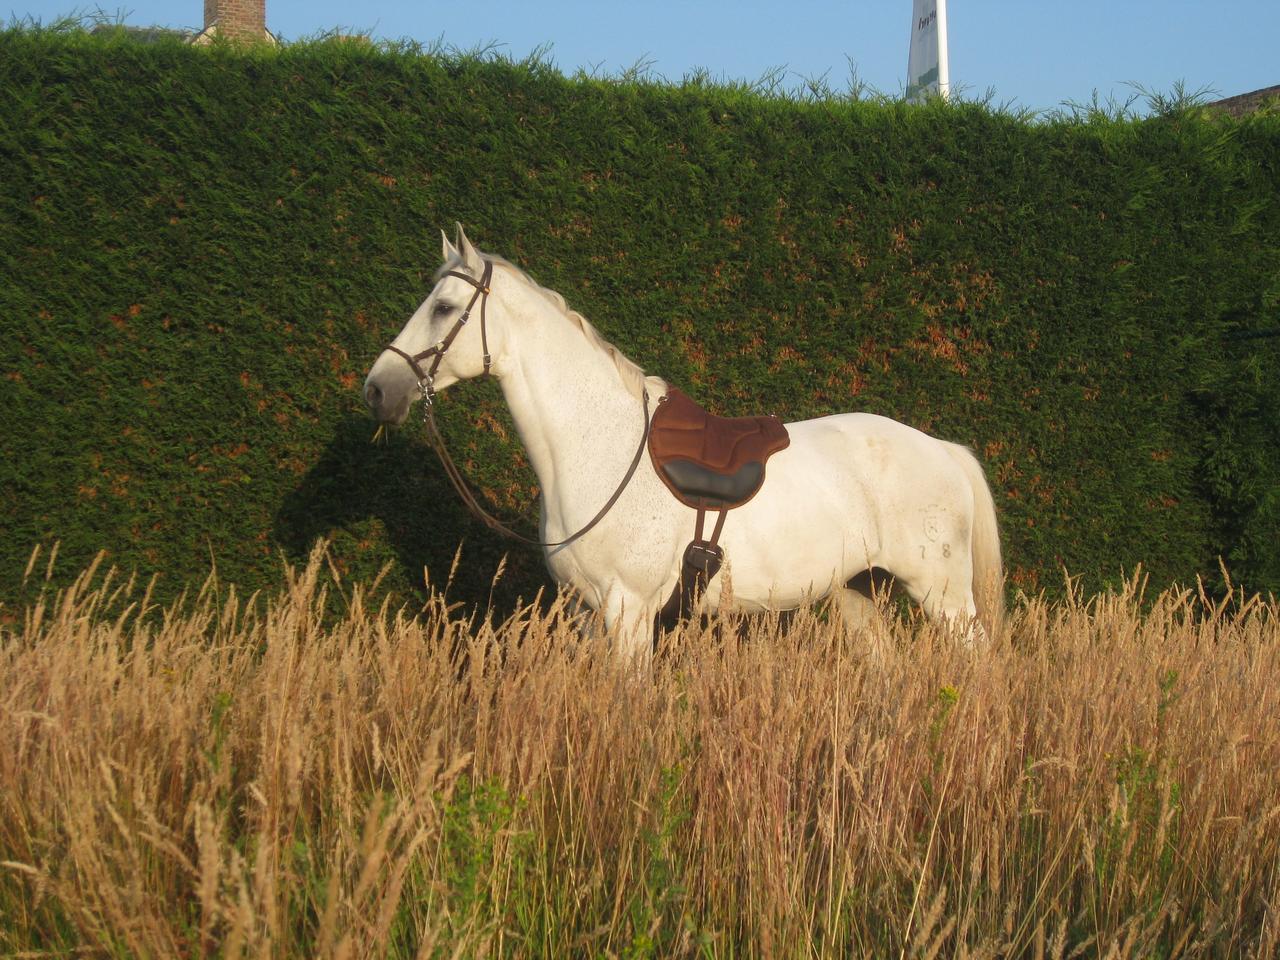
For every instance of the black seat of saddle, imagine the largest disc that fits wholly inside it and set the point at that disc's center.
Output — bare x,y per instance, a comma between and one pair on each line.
710,462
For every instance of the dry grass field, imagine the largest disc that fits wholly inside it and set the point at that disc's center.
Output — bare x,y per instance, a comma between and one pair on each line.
256,777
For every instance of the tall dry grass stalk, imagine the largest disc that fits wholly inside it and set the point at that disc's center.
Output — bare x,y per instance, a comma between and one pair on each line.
247,778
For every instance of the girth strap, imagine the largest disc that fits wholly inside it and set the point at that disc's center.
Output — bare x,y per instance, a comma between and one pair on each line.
701,562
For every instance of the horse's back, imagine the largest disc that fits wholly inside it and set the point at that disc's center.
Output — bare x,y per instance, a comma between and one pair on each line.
878,445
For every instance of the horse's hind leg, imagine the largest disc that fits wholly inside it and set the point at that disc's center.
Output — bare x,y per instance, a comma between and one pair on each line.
949,600
963,621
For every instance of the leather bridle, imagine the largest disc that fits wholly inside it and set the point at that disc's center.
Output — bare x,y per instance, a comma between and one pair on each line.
426,381
426,378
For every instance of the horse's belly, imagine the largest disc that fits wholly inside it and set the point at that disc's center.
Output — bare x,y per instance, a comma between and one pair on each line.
780,566
790,547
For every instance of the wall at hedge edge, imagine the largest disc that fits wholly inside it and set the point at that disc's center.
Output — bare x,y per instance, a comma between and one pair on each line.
204,249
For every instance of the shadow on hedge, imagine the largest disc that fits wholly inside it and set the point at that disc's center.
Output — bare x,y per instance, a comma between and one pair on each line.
391,501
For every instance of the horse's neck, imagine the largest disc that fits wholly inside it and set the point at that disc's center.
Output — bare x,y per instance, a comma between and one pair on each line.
579,423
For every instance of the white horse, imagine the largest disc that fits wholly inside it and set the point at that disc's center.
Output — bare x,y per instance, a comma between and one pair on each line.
853,492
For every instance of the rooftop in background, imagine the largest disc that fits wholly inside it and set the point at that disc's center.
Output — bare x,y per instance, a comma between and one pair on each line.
145,34
1244,103
241,20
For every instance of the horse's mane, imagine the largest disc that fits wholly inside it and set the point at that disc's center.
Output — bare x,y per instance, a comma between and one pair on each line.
632,374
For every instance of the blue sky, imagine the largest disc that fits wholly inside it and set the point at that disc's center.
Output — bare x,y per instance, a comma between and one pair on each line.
1030,53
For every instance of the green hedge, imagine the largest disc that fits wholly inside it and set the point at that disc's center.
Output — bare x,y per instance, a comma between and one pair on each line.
204,250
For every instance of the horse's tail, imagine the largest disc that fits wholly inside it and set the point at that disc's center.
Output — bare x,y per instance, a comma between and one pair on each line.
988,575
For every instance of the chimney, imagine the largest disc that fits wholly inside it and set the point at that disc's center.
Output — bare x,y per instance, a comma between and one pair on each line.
236,19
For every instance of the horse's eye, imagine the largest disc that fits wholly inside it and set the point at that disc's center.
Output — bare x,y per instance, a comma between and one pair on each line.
443,309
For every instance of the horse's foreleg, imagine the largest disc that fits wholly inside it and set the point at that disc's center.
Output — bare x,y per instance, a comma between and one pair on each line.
629,622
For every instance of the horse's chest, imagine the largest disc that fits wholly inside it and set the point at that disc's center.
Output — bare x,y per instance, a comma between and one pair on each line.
565,570
636,557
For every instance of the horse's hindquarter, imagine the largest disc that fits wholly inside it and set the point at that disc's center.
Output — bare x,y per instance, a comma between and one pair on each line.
852,491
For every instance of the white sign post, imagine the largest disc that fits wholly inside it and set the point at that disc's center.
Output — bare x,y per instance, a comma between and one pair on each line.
927,70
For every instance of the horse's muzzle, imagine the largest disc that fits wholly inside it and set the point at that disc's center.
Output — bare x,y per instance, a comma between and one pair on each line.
383,409
373,397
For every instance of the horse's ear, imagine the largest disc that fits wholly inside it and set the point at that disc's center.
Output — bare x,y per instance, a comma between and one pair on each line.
447,250
470,255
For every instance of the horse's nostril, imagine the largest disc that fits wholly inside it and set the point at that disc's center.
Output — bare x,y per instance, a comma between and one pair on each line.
372,396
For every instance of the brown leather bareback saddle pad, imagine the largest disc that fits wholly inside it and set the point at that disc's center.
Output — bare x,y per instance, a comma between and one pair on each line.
708,463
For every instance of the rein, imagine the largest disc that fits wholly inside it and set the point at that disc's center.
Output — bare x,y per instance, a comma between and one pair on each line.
493,523
426,379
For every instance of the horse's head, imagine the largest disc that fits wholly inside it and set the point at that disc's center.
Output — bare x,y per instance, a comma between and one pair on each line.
446,340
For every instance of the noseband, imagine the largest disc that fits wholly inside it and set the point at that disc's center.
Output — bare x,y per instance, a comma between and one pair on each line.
426,378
